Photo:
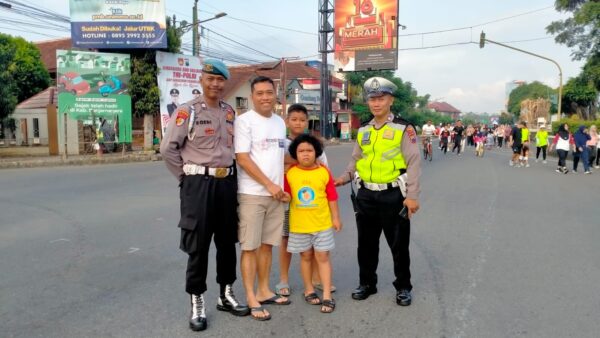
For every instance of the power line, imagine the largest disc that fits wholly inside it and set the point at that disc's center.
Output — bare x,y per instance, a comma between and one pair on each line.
470,42
478,25
241,44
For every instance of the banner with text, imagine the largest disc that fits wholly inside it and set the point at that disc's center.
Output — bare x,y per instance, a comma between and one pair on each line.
178,82
93,86
366,35
118,24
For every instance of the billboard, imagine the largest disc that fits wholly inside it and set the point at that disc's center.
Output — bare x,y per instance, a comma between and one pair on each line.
93,86
118,24
366,35
178,82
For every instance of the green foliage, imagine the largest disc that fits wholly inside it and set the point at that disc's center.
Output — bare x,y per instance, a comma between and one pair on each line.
591,71
581,31
532,90
574,122
22,73
358,78
420,117
143,88
506,118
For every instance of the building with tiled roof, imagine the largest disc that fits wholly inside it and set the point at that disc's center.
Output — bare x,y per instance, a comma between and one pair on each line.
48,50
444,108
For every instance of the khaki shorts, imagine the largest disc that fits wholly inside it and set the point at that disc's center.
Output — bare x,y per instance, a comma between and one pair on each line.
261,221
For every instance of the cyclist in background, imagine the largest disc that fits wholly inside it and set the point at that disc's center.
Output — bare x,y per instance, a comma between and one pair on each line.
427,133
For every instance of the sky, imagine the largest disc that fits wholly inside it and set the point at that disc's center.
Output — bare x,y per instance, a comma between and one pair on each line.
467,77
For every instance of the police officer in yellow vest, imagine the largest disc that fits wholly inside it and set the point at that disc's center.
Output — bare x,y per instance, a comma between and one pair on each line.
386,167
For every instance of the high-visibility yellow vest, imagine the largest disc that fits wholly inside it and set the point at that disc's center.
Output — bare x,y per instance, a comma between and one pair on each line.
542,138
382,160
524,135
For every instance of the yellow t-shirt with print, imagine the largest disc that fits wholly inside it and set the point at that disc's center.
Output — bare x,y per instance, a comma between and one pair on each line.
311,191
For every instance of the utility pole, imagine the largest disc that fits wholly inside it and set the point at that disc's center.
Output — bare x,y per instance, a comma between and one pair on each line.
483,40
195,36
325,46
283,83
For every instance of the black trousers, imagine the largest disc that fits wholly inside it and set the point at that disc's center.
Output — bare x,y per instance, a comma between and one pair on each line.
379,211
537,152
562,157
208,207
500,139
444,145
457,143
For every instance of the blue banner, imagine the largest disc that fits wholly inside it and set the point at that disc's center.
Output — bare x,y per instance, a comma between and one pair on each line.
119,24
118,35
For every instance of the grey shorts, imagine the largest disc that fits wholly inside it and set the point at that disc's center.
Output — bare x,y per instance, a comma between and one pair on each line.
320,241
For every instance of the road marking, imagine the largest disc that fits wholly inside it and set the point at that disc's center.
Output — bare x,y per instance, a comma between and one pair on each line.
132,250
60,240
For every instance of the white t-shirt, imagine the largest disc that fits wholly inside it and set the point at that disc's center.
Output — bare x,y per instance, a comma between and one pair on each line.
264,139
428,130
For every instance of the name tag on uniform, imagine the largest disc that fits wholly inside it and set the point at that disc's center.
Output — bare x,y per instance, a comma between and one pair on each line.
388,134
366,139
281,143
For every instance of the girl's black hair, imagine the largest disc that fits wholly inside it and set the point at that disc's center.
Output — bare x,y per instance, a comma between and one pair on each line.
306,138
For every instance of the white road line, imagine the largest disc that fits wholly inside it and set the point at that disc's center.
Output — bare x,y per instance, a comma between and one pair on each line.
60,240
132,250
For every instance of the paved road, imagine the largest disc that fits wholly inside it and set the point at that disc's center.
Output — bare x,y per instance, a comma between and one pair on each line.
496,252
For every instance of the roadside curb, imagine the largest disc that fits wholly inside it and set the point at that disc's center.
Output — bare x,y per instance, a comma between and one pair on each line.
79,160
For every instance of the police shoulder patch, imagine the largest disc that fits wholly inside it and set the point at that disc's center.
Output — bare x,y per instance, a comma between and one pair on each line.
412,135
181,116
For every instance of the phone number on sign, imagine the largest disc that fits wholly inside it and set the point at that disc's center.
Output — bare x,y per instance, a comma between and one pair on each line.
133,35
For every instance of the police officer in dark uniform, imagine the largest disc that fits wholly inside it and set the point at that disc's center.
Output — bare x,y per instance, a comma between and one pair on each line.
386,166
175,98
198,150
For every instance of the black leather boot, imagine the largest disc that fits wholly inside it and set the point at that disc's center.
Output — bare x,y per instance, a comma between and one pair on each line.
363,292
198,315
227,302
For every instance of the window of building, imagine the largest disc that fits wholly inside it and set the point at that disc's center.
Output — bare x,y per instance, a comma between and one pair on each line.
36,127
241,102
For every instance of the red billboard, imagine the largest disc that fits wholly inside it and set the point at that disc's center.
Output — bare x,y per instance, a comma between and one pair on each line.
366,35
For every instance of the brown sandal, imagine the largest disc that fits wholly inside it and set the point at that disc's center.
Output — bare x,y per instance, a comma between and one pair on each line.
328,306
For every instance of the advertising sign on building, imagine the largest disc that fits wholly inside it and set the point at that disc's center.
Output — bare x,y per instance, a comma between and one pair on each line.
118,24
366,35
93,86
178,82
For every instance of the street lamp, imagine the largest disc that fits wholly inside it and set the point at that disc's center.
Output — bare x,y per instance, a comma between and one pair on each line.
483,40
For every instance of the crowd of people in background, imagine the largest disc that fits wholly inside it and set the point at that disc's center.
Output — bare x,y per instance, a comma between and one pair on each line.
584,144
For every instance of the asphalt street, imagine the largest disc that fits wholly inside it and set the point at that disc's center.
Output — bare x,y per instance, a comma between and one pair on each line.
92,251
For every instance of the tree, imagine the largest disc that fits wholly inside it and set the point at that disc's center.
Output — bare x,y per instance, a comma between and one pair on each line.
581,31
532,90
143,88
506,118
22,73
579,97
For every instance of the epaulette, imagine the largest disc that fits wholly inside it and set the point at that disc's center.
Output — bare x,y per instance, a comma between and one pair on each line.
400,120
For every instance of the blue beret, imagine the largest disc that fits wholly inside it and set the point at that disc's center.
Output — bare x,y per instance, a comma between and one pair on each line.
378,86
216,67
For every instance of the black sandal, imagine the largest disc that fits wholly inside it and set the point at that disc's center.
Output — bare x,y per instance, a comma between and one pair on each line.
311,298
328,306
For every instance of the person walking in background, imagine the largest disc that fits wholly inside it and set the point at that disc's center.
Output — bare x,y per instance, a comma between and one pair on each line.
563,141
500,135
592,144
444,136
458,136
541,141
507,133
581,150
525,142
516,143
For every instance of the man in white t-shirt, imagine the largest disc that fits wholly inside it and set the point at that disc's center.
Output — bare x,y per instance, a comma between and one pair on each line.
260,150
427,132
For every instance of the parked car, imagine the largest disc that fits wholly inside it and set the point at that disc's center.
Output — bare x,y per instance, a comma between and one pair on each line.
74,83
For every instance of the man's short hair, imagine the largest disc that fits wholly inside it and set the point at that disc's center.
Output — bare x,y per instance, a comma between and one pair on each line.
306,138
260,79
296,107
